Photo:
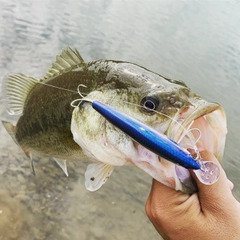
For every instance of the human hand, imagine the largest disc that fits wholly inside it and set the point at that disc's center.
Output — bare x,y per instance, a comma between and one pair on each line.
211,213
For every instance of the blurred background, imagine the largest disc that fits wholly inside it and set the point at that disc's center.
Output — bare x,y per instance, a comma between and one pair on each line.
197,42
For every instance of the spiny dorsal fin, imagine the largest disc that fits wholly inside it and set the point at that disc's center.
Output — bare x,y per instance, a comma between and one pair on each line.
69,59
15,90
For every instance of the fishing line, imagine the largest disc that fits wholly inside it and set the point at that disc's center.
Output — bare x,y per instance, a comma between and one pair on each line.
50,85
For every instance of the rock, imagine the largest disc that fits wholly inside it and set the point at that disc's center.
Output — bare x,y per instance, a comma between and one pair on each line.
20,178
98,231
23,198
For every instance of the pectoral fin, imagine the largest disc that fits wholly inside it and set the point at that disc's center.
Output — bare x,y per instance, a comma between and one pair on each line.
96,175
62,164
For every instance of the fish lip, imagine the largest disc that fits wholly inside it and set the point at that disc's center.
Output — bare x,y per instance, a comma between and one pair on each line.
201,110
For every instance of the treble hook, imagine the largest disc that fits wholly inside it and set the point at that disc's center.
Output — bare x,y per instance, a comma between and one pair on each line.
79,100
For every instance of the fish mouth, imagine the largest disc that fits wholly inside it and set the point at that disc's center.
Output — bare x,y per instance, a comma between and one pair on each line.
198,127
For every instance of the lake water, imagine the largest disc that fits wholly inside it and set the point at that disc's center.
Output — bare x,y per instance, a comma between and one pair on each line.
194,41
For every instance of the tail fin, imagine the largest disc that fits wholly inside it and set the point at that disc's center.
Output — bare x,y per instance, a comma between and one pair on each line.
15,89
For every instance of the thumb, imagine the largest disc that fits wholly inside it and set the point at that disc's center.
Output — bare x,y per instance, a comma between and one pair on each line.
216,196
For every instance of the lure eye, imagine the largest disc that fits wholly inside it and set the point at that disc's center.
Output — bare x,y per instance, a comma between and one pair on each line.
149,104
172,100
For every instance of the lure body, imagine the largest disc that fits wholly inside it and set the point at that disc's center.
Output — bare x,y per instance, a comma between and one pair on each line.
154,141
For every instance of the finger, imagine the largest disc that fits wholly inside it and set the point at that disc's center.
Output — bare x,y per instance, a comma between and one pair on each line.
215,196
164,202
230,184
166,195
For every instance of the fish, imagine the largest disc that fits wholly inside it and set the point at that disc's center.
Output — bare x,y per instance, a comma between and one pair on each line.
56,121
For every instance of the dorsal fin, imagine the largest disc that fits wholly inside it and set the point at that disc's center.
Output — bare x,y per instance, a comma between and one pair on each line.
15,90
69,59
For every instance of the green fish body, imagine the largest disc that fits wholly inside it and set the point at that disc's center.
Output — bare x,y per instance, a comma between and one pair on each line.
49,124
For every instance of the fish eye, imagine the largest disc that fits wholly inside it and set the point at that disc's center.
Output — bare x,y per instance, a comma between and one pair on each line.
149,104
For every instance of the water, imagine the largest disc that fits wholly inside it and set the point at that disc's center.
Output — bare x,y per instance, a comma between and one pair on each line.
195,41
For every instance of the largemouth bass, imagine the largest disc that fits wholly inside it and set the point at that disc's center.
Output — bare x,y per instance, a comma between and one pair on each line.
54,122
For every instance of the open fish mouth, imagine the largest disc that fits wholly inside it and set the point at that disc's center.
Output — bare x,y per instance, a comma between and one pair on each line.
204,125
201,126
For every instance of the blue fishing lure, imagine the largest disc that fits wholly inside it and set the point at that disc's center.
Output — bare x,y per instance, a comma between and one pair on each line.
154,141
